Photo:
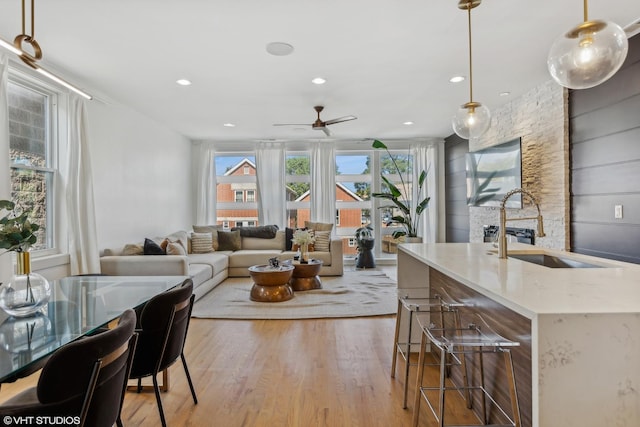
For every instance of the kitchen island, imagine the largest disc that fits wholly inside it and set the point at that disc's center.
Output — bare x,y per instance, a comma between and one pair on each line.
579,328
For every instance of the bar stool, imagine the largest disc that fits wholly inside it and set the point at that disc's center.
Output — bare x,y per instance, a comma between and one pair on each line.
413,305
477,338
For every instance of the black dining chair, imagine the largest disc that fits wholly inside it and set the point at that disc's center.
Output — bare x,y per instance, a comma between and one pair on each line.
162,329
85,379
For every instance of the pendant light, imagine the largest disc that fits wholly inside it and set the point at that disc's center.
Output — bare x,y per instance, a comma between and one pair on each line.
31,59
588,54
472,119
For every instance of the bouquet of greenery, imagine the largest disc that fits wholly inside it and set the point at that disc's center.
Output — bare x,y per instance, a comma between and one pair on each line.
17,233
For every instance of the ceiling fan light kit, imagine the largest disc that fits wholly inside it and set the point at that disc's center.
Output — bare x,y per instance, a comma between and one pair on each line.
31,59
588,54
472,118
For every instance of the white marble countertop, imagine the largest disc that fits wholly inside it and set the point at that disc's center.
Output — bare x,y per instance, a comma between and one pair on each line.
531,289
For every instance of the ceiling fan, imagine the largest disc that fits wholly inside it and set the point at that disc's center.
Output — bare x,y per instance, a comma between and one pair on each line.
319,124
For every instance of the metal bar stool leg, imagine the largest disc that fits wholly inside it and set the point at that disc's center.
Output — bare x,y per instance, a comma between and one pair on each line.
419,378
395,340
515,406
408,362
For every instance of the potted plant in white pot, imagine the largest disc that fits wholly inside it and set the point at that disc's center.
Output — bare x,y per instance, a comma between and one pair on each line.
28,291
409,211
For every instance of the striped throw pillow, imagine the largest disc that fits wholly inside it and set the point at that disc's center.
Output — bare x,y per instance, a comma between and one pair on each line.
201,243
322,241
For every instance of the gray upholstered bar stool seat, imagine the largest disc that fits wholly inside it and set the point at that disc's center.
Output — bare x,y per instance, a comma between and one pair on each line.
475,339
413,305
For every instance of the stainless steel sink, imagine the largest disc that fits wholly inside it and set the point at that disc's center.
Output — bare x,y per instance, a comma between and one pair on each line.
552,261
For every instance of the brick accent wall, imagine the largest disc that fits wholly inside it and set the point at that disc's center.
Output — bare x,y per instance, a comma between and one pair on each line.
540,118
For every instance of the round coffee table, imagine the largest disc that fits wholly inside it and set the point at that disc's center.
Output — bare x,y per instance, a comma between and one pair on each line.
305,276
271,284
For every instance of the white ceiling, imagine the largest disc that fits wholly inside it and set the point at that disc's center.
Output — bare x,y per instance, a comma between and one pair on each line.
385,61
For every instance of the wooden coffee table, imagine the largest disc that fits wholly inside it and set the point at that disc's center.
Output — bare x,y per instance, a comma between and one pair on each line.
305,276
271,284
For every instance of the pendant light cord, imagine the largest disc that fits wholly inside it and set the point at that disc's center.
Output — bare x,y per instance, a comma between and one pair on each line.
586,10
470,56
33,18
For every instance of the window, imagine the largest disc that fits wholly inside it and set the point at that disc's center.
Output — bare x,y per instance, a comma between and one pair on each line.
236,188
353,194
32,152
298,188
352,242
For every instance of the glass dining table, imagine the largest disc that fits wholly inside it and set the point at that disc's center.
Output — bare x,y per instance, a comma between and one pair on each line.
78,306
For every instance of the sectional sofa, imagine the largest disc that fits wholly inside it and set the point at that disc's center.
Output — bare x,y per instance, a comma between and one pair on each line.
209,269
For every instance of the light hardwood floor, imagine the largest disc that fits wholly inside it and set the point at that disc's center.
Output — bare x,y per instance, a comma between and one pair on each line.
316,372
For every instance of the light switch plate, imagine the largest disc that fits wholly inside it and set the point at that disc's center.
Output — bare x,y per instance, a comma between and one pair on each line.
618,212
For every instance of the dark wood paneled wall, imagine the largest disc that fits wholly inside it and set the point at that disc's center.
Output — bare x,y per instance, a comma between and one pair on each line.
505,322
605,164
457,211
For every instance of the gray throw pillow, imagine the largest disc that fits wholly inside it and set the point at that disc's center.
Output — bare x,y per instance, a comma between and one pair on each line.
229,240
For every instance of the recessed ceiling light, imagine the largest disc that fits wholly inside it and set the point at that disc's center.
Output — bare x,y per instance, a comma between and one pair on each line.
183,82
279,48
457,79
409,123
229,125
505,93
318,81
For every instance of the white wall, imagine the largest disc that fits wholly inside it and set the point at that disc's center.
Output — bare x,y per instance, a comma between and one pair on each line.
141,175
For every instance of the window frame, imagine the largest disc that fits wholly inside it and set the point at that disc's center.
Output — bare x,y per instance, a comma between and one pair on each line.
54,134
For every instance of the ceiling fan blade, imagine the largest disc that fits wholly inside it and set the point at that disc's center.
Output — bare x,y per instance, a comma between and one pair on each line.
339,120
326,131
291,124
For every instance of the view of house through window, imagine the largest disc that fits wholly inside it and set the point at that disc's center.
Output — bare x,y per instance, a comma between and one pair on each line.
237,194
31,154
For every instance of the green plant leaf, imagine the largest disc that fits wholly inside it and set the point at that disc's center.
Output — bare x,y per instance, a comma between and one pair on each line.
379,144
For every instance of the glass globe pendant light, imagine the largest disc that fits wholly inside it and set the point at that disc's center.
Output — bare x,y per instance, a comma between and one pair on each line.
588,54
472,118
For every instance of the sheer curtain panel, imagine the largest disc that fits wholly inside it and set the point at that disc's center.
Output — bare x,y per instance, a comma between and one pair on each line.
425,157
270,177
205,183
323,182
83,239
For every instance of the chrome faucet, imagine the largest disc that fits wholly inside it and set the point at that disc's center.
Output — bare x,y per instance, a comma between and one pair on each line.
502,242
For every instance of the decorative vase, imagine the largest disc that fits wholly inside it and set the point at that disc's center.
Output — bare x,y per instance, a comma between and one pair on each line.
304,253
27,292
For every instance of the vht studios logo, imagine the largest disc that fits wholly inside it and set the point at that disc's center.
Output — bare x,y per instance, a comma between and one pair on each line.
40,421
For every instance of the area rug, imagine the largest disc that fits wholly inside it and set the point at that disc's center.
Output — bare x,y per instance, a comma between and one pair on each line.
357,293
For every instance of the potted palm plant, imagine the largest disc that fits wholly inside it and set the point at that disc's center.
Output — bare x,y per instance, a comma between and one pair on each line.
408,211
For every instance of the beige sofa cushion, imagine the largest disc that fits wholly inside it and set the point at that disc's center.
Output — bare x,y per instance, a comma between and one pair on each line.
254,243
318,226
249,257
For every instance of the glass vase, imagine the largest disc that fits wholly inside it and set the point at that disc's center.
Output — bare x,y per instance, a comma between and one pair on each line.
27,292
304,253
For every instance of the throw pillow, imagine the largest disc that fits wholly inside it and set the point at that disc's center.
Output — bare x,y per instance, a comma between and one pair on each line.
176,248
318,226
201,243
152,248
229,240
213,229
288,235
323,239
132,249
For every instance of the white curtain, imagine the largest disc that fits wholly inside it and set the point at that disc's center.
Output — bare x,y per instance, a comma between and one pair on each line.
323,186
83,239
205,183
5,168
425,157
270,178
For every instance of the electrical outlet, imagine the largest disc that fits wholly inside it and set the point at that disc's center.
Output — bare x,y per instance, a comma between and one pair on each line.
618,212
